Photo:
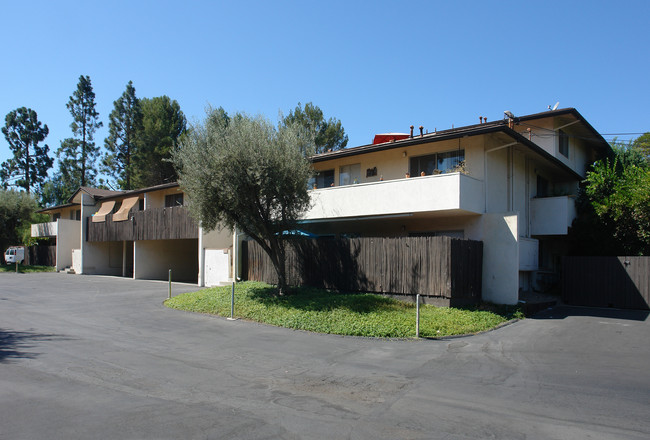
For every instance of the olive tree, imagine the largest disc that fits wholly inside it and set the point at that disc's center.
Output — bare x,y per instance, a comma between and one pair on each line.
243,172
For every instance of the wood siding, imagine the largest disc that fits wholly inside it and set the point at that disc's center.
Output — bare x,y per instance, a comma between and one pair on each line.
439,267
620,282
151,224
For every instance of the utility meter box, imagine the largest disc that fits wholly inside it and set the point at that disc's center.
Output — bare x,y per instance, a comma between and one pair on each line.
15,254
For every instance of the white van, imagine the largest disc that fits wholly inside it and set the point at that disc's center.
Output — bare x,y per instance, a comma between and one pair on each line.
15,254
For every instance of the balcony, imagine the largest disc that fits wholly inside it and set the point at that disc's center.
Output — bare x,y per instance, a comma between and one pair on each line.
151,224
44,229
454,192
552,215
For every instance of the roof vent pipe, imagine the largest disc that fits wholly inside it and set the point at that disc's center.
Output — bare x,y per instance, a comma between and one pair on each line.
485,119
480,119
411,132
421,132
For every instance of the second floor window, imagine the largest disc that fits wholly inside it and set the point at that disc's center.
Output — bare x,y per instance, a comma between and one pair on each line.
172,200
436,163
350,174
324,179
564,144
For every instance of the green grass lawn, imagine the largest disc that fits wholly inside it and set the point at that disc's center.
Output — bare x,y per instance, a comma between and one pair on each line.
25,268
357,314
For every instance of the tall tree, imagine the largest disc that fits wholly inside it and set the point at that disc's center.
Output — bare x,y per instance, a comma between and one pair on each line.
328,135
614,206
243,172
163,124
77,155
29,165
642,144
125,128
16,209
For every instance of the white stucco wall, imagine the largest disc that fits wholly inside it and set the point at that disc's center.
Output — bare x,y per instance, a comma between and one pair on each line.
500,258
496,183
68,238
88,208
154,258
552,215
102,258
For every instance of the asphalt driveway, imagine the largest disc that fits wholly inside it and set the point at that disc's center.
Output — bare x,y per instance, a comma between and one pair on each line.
86,357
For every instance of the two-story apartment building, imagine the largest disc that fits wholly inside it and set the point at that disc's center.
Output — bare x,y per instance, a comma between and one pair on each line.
141,234
509,183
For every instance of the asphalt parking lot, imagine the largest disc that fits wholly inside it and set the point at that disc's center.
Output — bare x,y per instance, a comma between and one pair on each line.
87,357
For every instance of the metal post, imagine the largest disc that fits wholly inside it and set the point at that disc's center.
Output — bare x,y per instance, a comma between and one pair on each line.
417,314
232,303
170,284
16,264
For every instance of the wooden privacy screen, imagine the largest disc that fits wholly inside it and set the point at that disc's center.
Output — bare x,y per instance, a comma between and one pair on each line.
432,266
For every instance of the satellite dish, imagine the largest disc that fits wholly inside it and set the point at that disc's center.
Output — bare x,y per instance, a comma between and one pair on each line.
556,105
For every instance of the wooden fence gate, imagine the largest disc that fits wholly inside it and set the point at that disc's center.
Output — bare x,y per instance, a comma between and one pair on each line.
40,255
449,270
620,282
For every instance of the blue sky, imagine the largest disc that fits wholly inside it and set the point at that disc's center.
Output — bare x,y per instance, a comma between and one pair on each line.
377,66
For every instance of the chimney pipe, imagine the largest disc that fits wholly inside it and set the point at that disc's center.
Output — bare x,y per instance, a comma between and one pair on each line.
411,131
480,119
485,119
421,132
530,134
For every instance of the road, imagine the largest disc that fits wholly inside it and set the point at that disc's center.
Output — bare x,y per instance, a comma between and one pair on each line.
88,357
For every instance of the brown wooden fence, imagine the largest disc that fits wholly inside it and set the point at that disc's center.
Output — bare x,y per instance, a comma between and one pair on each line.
620,282
151,224
40,255
437,267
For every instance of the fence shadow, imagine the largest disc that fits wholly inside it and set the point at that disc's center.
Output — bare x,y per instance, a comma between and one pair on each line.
565,311
17,345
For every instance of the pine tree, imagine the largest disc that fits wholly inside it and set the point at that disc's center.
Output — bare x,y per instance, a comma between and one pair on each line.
163,124
29,165
121,144
77,155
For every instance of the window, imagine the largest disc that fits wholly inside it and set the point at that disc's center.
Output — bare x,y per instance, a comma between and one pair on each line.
78,214
436,163
350,174
542,186
141,204
564,144
324,179
56,216
172,200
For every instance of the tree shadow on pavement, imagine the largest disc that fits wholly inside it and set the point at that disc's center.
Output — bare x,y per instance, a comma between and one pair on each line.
17,345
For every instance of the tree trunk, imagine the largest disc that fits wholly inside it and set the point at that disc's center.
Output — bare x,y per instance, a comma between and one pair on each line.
278,259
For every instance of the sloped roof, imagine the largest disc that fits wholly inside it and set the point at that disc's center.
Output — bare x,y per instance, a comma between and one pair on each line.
474,130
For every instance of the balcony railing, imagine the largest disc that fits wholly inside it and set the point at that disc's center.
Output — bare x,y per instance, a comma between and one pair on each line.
552,215
446,192
151,224
44,229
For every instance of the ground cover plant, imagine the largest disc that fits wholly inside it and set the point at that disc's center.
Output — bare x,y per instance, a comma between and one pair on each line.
25,268
358,314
